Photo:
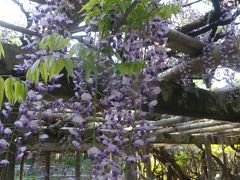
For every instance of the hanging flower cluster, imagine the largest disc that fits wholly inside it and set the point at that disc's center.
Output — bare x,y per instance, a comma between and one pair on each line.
104,87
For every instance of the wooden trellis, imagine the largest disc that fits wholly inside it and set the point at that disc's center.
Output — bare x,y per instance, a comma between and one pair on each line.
193,129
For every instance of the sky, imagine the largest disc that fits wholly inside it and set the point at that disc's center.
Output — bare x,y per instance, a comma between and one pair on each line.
11,13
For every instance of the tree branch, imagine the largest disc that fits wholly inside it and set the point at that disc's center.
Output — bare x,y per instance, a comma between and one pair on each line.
197,65
17,28
214,24
125,15
191,3
194,102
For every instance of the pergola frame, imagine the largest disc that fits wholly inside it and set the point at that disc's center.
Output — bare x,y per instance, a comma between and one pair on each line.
195,108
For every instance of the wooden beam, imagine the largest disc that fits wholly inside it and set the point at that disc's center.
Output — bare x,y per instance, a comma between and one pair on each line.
56,147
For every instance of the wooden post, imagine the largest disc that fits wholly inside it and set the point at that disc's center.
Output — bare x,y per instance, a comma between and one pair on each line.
8,173
21,168
225,170
131,168
47,176
209,161
77,166
149,169
130,172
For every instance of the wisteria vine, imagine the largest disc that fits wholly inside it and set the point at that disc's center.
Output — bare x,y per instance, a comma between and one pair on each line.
111,100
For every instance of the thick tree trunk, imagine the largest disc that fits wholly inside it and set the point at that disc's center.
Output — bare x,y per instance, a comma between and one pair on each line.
194,102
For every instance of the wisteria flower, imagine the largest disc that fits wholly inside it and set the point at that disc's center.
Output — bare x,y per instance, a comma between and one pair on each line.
4,162
4,144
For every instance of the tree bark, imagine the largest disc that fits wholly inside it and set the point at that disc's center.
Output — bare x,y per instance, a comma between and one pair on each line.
194,102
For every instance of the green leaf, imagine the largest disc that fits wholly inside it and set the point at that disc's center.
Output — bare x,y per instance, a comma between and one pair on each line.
36,76
69,65
23,92
1,51
49,62
29,76
166,11
44,72
61,43
2,54
56,68
74,50
33,77
59,66
89,65
130,67
44,42
88,6
52,70
1,91
138,16
17,91
35,66
84,52
9,89
54,42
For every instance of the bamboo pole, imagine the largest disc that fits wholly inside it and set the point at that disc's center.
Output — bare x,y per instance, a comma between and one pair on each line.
170,121
213,129
190,126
